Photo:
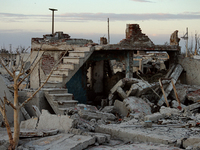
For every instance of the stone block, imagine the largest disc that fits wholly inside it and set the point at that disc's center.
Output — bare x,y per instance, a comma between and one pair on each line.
48,121
137,105
193,140
120,108
29,124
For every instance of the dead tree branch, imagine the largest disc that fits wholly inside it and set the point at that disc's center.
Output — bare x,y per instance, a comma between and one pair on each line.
2,63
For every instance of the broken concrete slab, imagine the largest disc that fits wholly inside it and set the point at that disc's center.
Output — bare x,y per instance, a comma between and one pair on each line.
142,87
175,104
120,108
131,134
62,142
192,107
88,115
134,146
29,124
48,121
100,137
194,96
108,109
37,133
154,117
121,93
137,105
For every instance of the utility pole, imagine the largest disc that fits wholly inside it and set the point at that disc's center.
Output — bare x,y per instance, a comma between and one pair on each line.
185,37
52,9
108,33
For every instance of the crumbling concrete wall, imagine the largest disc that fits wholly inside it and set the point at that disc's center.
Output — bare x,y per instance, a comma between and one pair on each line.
44,67
191,66
77,85
135,37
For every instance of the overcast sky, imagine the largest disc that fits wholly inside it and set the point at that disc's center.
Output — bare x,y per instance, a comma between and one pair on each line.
20,20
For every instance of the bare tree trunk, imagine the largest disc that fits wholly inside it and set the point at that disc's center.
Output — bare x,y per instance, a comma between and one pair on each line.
16,115
3,111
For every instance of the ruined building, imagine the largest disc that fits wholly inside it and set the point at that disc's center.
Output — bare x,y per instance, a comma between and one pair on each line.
85,74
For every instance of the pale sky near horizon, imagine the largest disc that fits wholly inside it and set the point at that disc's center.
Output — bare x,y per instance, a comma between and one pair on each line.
20,20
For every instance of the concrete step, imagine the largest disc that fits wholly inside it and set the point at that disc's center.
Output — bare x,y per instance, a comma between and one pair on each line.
55,90
50,100
78,54
52,84
82,49
61,97
62,71
74,60
70,66
66,103
57,77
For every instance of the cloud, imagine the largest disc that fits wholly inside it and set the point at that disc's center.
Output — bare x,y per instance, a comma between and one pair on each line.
83,17
142,1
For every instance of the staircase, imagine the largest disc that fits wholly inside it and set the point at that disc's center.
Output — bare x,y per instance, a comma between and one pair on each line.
54,90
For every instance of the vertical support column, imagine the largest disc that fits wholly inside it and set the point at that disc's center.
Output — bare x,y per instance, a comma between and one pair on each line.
129,64
173,59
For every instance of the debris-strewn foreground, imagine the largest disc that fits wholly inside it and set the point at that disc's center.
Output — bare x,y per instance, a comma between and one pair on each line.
138,116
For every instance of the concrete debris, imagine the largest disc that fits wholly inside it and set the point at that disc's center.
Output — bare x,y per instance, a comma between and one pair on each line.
182,91
108,109
100,137
154,117
167,111
194,96
175,104
192,107
174,76
37,133
142,87
96,115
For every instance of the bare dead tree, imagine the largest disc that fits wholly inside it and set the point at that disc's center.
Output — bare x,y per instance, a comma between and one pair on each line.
18,79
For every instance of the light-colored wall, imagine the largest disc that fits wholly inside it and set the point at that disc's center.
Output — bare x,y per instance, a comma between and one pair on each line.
192,68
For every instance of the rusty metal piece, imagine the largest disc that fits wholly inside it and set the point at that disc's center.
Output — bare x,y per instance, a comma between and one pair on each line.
179,107
163,91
